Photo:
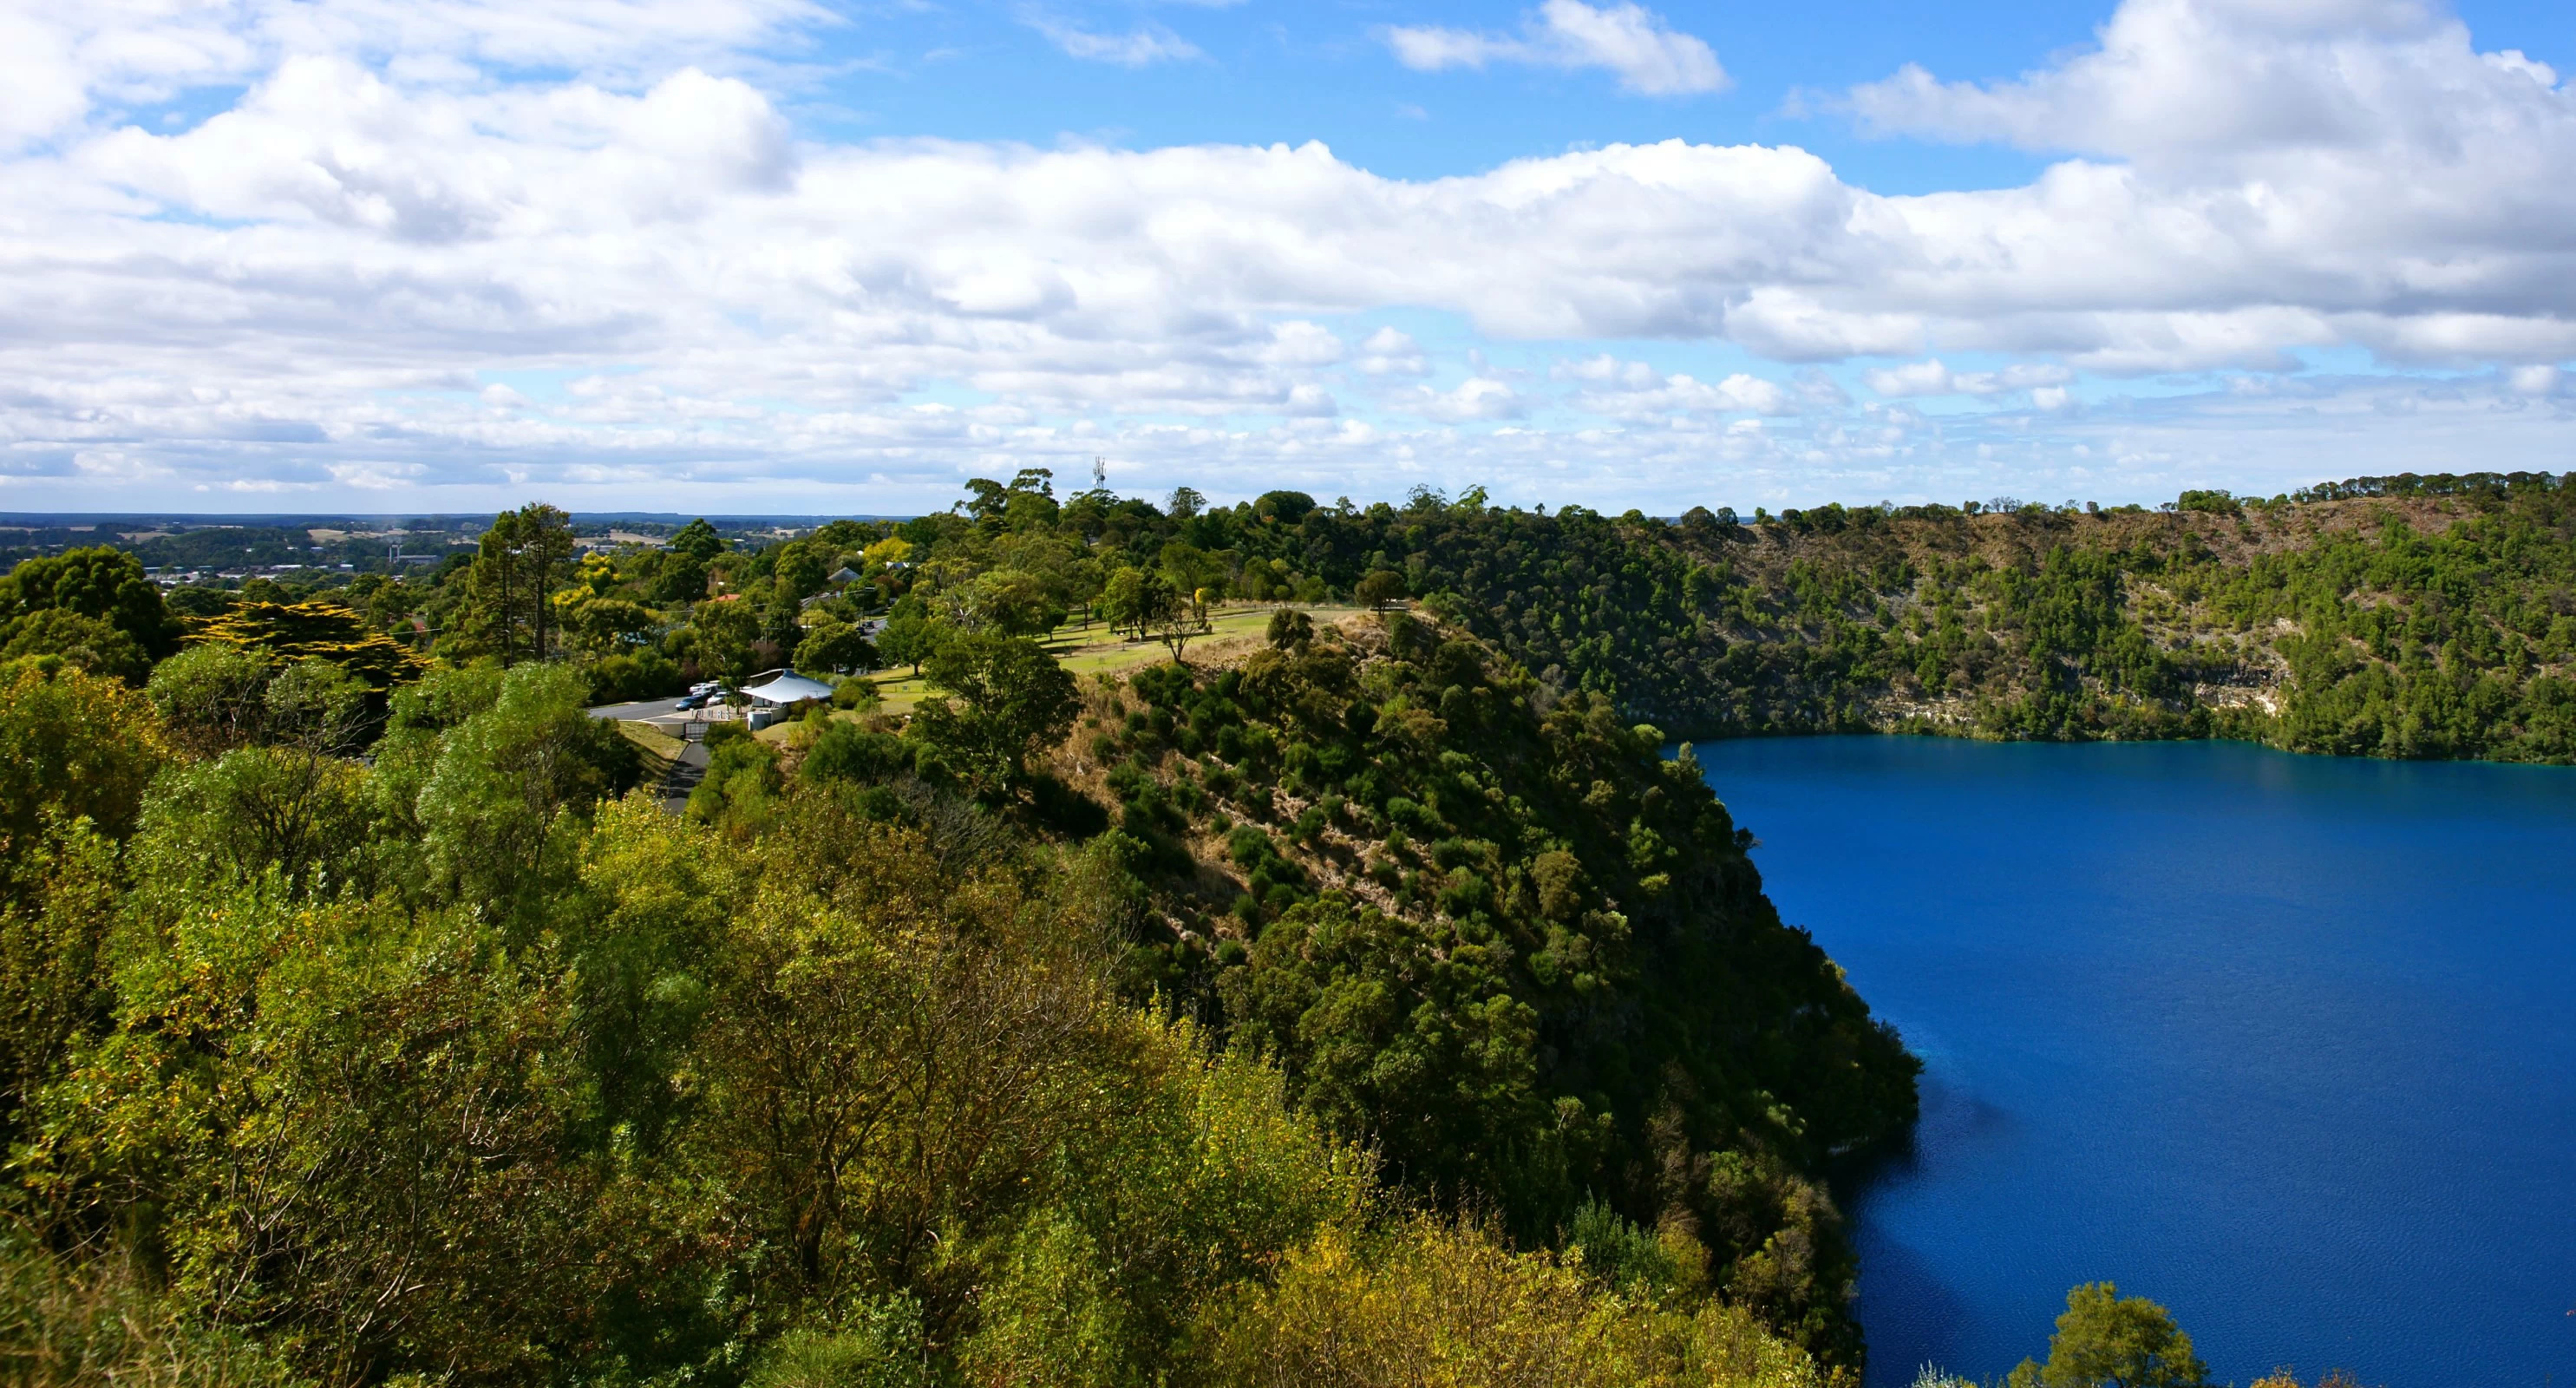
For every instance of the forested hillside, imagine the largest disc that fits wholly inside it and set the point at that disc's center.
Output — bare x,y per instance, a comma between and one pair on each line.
2391,617
449,1062
1360,1011
1489,933
1378,1001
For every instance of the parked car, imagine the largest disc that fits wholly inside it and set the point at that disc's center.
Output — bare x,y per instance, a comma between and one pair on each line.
697,699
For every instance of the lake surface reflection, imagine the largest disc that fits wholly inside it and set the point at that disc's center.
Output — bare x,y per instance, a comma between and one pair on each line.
2286,1043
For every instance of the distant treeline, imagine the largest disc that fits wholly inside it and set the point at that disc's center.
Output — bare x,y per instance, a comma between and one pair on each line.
2409,616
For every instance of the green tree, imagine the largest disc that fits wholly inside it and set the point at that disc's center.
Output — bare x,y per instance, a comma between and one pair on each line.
781,621
681,578
1380,588
698,540
342,1124
728,639
909,638
213,697
1008,602
741,782
1291,630
501,804
59,900
1007,699
1132,597
90,643
799,571
2106,1340
229,820
1190,568
74,745
1180,621
835,647
98,582
601,626
520,561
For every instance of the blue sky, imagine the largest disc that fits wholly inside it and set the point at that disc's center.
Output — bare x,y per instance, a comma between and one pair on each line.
775,254
1318,71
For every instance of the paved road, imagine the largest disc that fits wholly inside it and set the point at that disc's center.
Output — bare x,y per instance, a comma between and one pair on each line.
686,771
690,766
644,712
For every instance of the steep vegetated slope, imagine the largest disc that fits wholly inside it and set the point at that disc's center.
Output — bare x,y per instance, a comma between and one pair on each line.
2406,617
1491,931
447,1065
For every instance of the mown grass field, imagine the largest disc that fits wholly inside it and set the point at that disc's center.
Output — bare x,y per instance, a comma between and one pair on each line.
1090,648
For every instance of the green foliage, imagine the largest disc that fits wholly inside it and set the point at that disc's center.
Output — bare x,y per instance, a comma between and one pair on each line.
604,627
681,578
309,817
1379,588
1006,699
58,906
1437,1304
1405,1016
742,779
880,1346
73,746
67,1327
849,753
509,609
908,638
1007,602
100,584
1553,977
88,643
619,679
374,1092
285,633
834,647
497,809
212,696
2106,1340
698,540
729,633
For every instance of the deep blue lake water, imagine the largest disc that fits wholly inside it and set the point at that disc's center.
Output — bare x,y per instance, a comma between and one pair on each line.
2286,1043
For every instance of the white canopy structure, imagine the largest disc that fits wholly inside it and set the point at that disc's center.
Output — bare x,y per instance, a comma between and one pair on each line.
783,687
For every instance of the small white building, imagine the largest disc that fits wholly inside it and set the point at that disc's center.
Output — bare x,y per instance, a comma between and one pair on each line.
774,692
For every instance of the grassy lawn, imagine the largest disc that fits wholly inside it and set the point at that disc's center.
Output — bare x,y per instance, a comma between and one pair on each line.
660,748
1090,648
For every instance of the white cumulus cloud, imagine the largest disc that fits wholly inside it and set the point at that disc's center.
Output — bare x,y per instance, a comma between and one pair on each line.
1648,56
1476,398
1389,352
319,286
1137,48
1634,390
1933,378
